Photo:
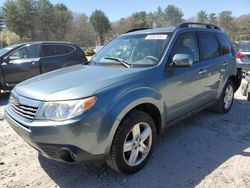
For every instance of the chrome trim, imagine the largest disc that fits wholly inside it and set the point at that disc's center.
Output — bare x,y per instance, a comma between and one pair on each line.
24,107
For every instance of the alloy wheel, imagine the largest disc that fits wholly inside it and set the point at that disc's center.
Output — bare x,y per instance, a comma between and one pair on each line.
137,144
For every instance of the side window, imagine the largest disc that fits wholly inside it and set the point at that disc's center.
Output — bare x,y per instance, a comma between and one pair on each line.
53,50
225,44
66,49
186,44
208,45
28,51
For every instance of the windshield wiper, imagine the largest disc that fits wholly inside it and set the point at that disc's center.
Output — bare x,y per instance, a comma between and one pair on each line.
121,61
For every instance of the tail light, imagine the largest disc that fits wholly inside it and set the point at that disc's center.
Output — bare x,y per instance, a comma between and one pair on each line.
240,55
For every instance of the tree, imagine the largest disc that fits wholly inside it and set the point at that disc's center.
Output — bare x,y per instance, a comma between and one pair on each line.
243,23
122,26
139,20
156,19
173,16
62,19
44,19
226,21
202,16
9,38
212,18
2,21
136,20
19,16
101,24
81,33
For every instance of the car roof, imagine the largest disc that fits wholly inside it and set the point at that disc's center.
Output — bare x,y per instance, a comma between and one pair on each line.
153,30
49,42
187,26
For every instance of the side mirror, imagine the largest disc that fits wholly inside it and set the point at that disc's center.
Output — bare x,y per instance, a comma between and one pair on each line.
6,59
182,60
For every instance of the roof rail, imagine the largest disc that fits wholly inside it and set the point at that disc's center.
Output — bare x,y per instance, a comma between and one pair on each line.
137,29
191,24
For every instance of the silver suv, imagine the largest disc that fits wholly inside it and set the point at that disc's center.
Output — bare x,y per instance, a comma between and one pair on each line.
113,109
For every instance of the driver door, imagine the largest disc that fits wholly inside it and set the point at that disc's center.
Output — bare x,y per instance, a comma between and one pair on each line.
21,64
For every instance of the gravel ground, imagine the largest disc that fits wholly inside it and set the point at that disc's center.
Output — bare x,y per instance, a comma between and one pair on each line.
208,150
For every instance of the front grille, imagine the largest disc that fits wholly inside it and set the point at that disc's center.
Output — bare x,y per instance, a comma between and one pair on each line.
23,110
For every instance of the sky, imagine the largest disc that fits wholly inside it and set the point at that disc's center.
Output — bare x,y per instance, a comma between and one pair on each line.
116,9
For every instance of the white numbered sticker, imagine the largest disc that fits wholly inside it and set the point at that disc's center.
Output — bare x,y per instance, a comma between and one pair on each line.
156,37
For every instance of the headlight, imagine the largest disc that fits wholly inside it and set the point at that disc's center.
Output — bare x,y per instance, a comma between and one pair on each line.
63,110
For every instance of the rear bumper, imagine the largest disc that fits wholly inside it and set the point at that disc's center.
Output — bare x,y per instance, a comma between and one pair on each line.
244,66
78,141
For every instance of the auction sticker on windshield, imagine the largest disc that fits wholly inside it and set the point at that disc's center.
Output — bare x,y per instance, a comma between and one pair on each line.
156,37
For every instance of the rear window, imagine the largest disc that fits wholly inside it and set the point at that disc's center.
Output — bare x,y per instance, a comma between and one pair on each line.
53,50
208,45
225,44
244,46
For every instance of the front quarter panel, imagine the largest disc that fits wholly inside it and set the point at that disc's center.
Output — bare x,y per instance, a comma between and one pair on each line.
118,104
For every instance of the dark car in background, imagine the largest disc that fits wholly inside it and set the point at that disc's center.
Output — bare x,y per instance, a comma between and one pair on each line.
22,61
243,55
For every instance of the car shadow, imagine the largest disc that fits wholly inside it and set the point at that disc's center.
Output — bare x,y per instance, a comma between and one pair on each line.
3,101
183,156
4,98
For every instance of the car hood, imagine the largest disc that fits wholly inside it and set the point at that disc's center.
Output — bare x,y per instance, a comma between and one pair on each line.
73,82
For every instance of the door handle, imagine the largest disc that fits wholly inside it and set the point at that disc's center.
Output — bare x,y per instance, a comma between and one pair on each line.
202,71
4,64
33,63
225,63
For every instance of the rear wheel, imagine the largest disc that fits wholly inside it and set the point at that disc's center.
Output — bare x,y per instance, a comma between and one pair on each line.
133,143
225,101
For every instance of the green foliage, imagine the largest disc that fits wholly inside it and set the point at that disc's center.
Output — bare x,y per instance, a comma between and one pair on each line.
202,16
62,19
226,21
101,24
139,20
40,20
7,38
44,19
18,15
212,18
2,21
81,32
173,16
243,24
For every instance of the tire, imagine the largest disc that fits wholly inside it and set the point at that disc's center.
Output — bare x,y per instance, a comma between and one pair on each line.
248,96
227,95
123,161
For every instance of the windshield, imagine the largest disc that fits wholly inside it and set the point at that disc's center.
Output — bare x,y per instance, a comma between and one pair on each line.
133,50
244,46
8,48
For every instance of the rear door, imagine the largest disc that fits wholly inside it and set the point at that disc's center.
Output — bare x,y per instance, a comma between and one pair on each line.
215,65
22,64
56,56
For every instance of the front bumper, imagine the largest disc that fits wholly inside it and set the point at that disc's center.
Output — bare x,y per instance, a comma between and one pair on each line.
84,139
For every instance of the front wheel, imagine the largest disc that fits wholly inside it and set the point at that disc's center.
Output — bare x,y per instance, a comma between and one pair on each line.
133,143
225,101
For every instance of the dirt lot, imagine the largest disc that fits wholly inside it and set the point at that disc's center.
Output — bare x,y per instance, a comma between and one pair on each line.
209,150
